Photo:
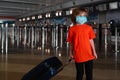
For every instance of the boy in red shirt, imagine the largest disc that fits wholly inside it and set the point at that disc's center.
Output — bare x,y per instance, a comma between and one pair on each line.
80,37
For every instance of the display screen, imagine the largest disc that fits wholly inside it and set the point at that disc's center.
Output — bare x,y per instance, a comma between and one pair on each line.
1,21
102,7
113,5
67,12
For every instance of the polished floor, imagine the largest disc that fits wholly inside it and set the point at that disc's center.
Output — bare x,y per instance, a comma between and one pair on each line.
14,65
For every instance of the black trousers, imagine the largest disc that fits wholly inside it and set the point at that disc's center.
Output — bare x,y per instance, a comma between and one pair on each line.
88,67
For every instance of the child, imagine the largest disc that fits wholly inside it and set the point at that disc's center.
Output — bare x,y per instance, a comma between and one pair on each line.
82,50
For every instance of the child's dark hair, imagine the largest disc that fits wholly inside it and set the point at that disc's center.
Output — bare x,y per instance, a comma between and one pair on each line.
77,11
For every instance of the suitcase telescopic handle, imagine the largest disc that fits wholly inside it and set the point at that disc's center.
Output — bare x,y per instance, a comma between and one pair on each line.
69,60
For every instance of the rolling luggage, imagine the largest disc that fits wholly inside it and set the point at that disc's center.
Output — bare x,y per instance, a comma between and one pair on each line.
45,70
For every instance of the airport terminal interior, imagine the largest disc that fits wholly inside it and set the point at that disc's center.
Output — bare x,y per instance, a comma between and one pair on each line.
32,31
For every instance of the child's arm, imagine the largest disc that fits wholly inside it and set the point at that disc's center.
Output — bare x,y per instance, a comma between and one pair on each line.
93,48
71,50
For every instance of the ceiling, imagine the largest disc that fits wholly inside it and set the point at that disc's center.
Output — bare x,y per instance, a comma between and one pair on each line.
20,7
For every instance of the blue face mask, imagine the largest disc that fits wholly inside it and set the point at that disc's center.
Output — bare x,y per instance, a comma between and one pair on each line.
81,19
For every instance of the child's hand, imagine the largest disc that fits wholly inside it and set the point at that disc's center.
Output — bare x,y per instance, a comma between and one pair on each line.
71,56
95,55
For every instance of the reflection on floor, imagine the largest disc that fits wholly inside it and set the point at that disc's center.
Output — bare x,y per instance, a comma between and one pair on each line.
14,65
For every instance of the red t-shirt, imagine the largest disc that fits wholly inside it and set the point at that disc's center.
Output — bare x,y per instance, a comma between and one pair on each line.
79,36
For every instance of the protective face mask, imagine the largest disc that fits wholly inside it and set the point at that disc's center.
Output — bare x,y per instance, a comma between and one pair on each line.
81,19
